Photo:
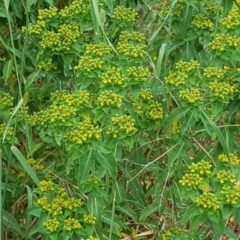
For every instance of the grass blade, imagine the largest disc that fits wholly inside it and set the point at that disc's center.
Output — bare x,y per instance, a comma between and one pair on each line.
217,131
14,112
160,59
25,164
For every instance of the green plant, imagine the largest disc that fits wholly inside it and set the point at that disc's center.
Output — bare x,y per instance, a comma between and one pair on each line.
119,119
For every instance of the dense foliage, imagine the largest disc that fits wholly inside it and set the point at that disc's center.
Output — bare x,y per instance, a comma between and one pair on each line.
120,119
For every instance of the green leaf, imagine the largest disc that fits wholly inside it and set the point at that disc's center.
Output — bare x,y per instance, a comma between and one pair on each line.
160,59
217,108
187,17
118,152
29,205
9,121
188,51
95,205
227,6
176,114
230,138
120,191
189,213
115,222
50,2
175,154
34,147
3,13
215,128
189,121
29,3
196,220
25,165
102,17
6,3
227,211
10,222
101,147
128,211
231,234
150,209
7,70
156,33
31,78
85,167
109,4
107,161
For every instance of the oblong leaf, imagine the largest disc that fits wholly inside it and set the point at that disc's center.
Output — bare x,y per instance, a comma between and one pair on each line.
10,222
7,70
107,161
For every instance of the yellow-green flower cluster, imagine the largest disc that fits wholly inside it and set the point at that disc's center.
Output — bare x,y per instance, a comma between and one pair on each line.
170,233
221,90
122,124
109,98
131,50
176,78
208,200
35,29
231,195
232,21
130,45
90,219
72,203
212,8
223,42
61,192
82,98
35,165
83,132
201,21
62,40
46,186
234,160
43,202
134,37
77,9
202,168
138,107
98,50
124,15
155,111
191,181
47,13
225,176
192,95
213,72
113,76
53,115
19,174
186,67
56,206
88,64
146,95
46,66
71,224
60,202
138,74
51,225
6,101
165,8
93,180
10,131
